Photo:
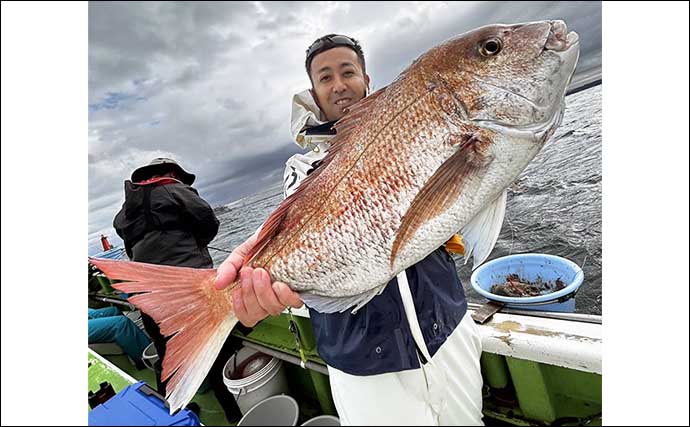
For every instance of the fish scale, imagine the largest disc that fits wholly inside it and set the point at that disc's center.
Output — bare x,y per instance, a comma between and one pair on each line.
361,215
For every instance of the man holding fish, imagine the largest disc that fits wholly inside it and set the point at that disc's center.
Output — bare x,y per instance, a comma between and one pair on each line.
373,360
360,237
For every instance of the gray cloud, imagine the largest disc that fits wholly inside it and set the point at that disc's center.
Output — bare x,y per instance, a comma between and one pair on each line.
210,83
408,38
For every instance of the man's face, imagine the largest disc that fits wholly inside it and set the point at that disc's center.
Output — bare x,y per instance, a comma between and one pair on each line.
338,81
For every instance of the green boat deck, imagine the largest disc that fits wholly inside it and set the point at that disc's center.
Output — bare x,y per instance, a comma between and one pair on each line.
516,391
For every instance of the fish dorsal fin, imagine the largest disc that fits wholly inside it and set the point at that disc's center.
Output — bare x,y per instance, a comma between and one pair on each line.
481,233
444,186
346,131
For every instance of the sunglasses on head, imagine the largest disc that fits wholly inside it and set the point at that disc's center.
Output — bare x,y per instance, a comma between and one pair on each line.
330,41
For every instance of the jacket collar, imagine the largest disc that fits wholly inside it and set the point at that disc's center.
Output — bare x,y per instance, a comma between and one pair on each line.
306,114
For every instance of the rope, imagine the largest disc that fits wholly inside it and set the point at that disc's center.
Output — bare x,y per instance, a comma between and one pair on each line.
219,249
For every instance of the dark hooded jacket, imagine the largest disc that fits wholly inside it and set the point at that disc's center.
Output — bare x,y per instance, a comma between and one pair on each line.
166,222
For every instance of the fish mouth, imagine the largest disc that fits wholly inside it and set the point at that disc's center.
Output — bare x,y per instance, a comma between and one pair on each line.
559,39
566,45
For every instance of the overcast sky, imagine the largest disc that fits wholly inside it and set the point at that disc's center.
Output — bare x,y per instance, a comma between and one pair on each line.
210,83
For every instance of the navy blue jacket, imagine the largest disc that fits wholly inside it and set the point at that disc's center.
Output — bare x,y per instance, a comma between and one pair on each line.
377,339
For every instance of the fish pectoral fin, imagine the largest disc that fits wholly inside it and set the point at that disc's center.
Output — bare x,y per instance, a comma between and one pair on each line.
444,187
324,304
481,233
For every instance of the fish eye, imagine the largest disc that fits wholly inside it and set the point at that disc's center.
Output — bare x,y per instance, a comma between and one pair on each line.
490,46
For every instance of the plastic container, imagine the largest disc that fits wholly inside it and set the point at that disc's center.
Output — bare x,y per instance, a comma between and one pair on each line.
139,405
252,376
322,420
104,393
530,267
150,357
281,410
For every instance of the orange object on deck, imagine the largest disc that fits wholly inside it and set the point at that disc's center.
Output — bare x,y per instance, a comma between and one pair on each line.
455,246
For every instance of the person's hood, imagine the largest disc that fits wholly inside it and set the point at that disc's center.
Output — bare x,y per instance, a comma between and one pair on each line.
306,114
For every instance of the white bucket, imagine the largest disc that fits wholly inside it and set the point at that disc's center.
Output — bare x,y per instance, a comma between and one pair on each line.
323,420
251,389
281,410
150,356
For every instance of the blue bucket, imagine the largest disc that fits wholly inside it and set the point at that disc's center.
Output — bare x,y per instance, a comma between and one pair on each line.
530,267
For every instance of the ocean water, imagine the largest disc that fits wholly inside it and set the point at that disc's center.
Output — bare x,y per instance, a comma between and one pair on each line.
553,207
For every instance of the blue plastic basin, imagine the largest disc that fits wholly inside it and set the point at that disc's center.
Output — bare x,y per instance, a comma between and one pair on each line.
530,267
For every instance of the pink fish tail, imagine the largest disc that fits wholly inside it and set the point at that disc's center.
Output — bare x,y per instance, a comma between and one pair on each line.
185,304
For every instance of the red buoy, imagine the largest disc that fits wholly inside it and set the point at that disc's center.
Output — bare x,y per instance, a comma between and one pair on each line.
106,244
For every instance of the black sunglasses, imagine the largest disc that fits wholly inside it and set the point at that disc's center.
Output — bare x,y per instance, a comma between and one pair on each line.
331,41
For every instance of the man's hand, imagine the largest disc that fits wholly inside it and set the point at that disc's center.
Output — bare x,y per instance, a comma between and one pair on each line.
257,297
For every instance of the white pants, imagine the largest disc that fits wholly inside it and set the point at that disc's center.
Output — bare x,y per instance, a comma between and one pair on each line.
447,391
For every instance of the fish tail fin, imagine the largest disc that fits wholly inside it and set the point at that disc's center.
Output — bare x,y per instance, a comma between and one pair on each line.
185,304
